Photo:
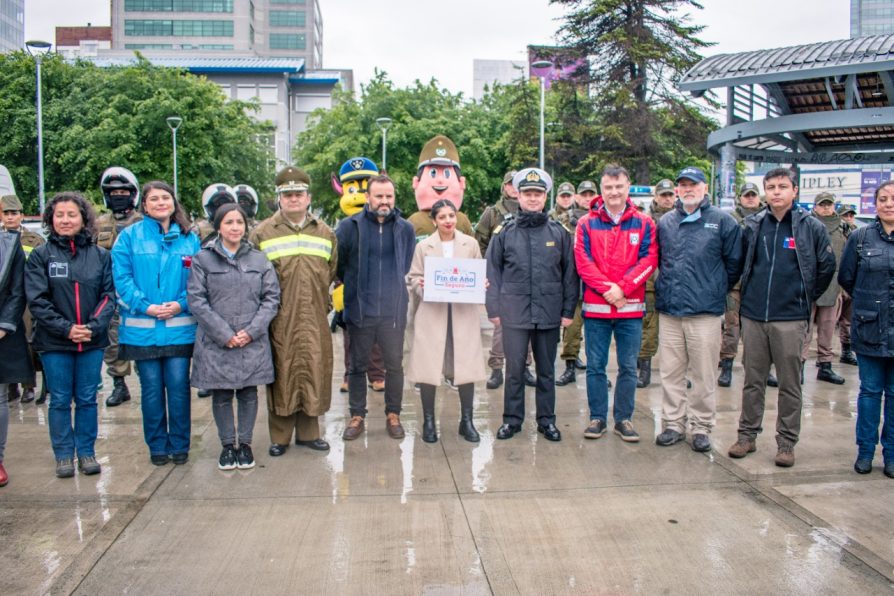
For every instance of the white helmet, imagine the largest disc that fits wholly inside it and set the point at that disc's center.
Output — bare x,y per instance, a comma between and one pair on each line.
247,199
216,195
118,178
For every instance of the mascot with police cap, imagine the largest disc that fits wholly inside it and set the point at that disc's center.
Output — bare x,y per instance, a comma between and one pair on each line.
121,193
213,197
303,252
438,177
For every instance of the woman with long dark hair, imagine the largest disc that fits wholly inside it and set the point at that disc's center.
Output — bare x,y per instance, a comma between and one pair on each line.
151,263
71,296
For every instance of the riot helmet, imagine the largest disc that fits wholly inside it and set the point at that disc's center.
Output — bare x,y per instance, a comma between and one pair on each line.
216,195
120,189
247,199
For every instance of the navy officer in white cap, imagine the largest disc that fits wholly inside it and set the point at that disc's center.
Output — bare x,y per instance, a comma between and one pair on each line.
532,293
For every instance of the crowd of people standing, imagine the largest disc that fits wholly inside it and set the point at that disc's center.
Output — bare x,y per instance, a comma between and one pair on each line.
232,304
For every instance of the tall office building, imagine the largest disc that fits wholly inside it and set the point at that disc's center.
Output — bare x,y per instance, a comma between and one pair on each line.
265,28
12,25
872,17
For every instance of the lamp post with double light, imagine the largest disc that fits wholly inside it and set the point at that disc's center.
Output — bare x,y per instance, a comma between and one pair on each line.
384,124
38,49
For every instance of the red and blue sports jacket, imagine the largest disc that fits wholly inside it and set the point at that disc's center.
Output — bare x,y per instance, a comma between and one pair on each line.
625,253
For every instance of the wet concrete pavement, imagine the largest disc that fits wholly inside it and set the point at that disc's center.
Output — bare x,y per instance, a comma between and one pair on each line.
504,517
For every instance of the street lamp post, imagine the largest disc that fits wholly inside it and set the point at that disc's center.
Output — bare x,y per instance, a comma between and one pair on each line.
541,64
174,123
384,124
39,49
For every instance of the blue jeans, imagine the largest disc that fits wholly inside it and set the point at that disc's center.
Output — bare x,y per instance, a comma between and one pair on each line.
876,378
628,336
164,384
72,376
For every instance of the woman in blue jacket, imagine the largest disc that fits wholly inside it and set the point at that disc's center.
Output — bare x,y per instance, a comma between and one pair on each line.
68,282
865,274
151,263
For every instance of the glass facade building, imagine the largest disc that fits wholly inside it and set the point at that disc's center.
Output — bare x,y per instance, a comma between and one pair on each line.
265,28
12,25
872,17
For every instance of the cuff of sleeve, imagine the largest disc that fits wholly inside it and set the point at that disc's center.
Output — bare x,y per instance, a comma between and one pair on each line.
9,327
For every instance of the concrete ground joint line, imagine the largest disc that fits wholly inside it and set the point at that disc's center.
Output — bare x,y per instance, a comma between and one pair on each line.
466,517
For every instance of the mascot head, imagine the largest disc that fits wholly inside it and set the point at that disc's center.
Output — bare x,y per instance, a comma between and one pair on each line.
438,176
350,184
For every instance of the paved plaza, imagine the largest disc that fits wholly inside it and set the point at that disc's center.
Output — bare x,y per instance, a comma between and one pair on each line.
523,516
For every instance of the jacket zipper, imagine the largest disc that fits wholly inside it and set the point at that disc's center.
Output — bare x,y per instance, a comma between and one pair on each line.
77,297
772,267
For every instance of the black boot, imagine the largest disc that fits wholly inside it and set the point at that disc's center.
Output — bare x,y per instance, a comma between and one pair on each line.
825,373
120,393
580,364
772,381
645,372
496,378
567,376
847,356
204,393
466,427
12,392
42,398
27,394
429,430
802,372
726,373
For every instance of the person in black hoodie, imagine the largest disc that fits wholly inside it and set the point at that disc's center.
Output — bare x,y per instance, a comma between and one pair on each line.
375,251
71,296
788,265
532,292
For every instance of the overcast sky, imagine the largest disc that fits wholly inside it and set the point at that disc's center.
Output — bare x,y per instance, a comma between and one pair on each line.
412,39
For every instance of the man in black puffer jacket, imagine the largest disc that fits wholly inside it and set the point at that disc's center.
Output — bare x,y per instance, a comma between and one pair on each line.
788,265
532,293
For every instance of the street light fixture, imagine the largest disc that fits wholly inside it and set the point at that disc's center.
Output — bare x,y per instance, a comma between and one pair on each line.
542,64
384,124
174,123
39,49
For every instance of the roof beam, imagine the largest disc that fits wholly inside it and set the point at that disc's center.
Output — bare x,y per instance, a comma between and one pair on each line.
785,76
888,82
775,92
848,155
831,93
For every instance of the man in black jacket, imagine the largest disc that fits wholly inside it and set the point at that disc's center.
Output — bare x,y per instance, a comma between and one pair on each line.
788,265
375,250
533,290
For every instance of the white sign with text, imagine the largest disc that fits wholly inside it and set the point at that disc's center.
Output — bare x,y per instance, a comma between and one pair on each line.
454,280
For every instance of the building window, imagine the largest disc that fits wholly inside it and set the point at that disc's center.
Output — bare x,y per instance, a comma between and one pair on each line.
167,28
287,2
288,41
268,94
148,46
246,92
178,6
287,18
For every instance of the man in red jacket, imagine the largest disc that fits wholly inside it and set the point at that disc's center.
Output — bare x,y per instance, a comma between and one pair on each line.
615,253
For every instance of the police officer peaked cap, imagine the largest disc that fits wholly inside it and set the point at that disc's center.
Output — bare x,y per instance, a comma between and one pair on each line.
566,188
291,179
439,151
532,178
10,203
357,168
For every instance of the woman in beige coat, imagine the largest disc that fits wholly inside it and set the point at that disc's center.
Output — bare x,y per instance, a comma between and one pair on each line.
447,337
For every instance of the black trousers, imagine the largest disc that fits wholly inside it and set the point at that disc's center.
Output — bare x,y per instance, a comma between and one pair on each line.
544,343
390,338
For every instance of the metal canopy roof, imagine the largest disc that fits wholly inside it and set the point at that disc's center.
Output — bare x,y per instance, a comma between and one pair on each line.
199,65
827,102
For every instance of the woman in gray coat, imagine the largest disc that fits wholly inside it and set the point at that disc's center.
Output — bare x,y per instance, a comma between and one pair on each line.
233,294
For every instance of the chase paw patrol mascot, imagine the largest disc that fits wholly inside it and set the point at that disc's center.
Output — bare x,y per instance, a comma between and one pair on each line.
351,183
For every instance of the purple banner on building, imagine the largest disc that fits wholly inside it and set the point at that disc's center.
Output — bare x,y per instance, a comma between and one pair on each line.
564,65
870,181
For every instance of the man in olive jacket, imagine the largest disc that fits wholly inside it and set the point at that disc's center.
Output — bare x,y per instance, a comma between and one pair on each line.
533,290
303,252
788,265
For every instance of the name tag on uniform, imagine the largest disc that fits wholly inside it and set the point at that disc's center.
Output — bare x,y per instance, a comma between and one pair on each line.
789,242
634,239
58,269
712,226
550,243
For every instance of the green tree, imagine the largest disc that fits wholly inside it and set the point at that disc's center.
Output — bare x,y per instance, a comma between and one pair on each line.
637,50
98,117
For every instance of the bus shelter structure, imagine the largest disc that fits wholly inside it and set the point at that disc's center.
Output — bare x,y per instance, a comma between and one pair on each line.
822,103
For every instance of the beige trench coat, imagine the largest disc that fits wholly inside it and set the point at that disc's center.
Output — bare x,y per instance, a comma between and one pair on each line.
430,333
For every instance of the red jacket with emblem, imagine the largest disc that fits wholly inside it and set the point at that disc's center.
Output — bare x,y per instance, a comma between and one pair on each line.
624,253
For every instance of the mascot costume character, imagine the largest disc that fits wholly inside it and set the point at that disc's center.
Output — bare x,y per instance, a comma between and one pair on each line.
438,177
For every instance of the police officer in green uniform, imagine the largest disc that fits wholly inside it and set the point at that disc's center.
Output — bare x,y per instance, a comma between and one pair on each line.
848,213
491,223
121,193
747,203
662,202
573,334
564,202
13,215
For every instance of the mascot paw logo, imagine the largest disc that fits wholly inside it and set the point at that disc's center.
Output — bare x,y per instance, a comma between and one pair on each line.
357,164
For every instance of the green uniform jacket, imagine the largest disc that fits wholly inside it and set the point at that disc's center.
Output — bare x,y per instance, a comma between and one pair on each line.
424,225
108,226
493,219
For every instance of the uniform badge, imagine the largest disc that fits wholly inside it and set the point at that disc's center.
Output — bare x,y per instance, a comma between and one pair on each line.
634,239
440,152
533,176
789,242
357,164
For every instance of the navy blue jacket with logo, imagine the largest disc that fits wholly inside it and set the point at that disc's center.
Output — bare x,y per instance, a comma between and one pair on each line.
68,282
699,260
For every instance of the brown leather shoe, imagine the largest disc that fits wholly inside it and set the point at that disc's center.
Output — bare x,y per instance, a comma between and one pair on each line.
354,428
378,386
343,388
741,448
392,423
785,457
